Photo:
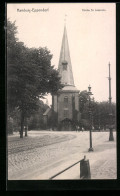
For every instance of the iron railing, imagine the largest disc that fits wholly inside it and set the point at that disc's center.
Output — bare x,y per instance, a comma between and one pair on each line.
84,169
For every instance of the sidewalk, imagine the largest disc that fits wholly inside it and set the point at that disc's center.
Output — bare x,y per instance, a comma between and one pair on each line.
43,154
103,164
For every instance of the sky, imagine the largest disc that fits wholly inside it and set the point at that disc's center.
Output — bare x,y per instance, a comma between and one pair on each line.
91,31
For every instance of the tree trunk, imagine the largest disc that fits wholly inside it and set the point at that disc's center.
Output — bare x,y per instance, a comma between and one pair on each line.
22,124
9,126
26,128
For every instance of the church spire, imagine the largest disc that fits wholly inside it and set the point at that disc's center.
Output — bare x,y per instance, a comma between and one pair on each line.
65,67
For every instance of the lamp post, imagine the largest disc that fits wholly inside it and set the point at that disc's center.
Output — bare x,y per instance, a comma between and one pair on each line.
90,115
111,138
93,99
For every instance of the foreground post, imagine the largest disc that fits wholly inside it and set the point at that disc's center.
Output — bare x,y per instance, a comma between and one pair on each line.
85,169
111,138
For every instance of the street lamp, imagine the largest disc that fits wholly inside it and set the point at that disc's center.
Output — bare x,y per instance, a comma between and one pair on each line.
90,115
93,99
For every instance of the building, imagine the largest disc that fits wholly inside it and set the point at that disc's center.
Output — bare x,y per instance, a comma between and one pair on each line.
65,103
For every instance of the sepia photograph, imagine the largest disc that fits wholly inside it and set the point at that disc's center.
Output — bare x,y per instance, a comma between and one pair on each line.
61,91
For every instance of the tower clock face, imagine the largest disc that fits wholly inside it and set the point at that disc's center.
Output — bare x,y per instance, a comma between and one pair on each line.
64,63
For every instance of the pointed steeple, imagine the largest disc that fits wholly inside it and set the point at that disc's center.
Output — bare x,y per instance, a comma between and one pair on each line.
65,67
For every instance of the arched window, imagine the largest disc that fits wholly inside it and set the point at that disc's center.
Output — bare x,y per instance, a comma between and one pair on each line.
66,102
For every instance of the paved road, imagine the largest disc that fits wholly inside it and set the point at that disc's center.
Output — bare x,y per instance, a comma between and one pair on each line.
44,153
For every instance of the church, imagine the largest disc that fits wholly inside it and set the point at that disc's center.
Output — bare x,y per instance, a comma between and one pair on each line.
65,104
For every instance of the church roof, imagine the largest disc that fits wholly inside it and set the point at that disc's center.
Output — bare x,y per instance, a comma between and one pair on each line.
65,67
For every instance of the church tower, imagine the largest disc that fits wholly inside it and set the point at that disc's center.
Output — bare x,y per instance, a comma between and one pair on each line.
65,67
66,103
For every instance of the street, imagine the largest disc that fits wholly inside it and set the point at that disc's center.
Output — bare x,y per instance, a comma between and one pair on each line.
44,153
